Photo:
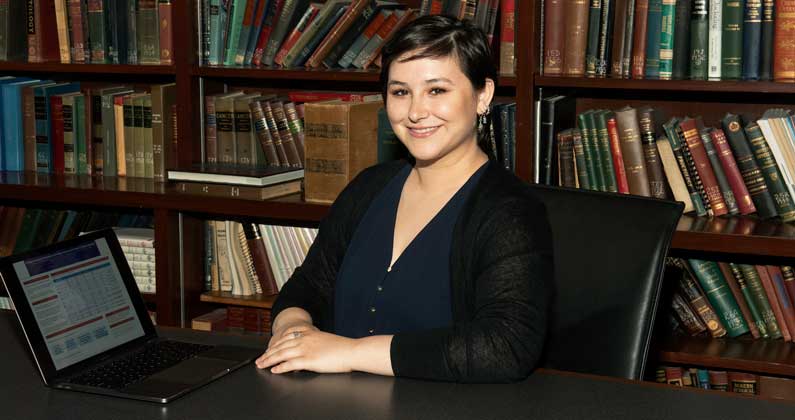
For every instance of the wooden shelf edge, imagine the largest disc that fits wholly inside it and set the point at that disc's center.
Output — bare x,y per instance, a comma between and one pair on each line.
53,67
734,86
773,357
226,298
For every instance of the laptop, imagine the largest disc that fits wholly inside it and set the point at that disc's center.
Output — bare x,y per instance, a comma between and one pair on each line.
88,328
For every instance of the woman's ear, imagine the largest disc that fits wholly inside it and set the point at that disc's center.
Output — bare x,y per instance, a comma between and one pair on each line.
485,95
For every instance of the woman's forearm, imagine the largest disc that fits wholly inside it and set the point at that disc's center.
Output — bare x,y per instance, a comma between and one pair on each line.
372,354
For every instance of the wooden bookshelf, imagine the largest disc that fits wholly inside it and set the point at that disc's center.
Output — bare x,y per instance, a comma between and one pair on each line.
226,298
727,86
773,357
70,68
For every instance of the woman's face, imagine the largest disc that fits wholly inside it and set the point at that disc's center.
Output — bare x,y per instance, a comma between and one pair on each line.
433,107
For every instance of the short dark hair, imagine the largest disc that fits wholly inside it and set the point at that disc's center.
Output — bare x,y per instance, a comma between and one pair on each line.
437,36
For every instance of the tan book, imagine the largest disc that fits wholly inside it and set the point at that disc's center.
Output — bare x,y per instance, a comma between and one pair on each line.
632,151
118,124
62,26
225,127
245,275
222,255
211,321
163,98
341,140
241,192
245,137
673,175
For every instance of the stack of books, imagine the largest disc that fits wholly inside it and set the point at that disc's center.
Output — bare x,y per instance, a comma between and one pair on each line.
248,183
138,245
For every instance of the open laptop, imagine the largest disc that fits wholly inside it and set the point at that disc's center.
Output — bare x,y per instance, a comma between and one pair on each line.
88,327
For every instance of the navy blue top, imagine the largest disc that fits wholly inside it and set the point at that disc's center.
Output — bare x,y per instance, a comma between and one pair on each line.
414,295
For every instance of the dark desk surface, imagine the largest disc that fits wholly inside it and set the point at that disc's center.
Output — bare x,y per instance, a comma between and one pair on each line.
253,394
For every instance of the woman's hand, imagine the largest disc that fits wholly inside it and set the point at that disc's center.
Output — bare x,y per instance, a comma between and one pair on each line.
303,348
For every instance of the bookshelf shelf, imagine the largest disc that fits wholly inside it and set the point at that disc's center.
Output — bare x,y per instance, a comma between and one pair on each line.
116,69
774,357
226,298
723,86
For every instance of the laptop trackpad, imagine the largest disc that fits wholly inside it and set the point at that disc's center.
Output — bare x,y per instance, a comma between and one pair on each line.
194,370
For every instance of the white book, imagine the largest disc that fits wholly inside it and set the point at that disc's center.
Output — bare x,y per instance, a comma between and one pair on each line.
224,275
286,249
784,138
715,39
136,237
137,250
773,145
271,247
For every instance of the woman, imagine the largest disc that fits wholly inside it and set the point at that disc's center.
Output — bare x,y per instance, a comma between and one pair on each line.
436,269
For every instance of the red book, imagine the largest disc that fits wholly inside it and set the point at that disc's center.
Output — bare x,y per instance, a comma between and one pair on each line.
164,10
56,134
507,36
789,281
703,167
732,171
311,96
639,39
618,158
770,292
306,20
76,26
356,8
784,297
273,12
43,33
783,39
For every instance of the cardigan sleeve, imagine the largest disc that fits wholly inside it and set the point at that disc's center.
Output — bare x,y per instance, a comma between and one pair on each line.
509,285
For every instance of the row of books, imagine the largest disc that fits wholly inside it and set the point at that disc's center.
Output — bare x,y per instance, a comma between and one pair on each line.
22,229
717,380
235,319
744,166
334,34
87,31
245,258
138,246
732,299
69,128
667,39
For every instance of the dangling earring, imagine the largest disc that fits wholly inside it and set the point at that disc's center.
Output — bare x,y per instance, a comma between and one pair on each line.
482,120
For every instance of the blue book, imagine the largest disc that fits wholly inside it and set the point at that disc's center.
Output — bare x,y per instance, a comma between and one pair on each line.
44,158
3,81
752,39
216,32
68,221
13,136
255,31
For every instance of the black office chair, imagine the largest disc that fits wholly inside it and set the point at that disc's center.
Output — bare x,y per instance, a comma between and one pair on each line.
609,259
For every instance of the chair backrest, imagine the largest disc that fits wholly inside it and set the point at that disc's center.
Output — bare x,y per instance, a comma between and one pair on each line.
609,259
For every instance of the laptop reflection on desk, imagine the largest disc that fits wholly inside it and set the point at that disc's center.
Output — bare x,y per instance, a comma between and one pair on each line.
88,328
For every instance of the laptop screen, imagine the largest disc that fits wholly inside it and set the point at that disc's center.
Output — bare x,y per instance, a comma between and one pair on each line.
79,300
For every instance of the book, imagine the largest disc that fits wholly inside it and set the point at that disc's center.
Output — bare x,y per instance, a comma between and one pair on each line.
720,296
234,175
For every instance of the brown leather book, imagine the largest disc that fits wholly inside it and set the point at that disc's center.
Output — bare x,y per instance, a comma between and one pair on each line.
693,293
703,167
554,29
79,37
632,151
639,38
567,176
622,185
784,41
732,172
685,314
260,258
783,296
576,37
619,37
43,33
263,133
653,162
770,292
164,10
738,296
789,281
241,192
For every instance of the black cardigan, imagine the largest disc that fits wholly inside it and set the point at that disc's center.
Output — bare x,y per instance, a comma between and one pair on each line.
501,278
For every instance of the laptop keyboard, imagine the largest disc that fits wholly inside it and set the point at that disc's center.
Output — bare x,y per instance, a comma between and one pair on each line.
145,362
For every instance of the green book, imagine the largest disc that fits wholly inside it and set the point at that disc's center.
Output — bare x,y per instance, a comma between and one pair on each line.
80,135
609,173
667,39
771,172
720,296
754,307
235,27
699,40
583,176
591,154
760,299
732,40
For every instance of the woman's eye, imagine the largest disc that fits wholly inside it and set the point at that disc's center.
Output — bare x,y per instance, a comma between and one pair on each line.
437,91
398,92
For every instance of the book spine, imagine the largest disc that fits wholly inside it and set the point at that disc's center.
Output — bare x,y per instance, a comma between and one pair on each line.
757,292
296,128
507,35
286,135
296,34
788,275
705,172
755,307
69,158
739,298
651,155
772,298
691,168
622,185
672,173
682,47
783,41
583,176
214,11
629,33
619,38
592,49
766,42
225,129
770,171
640,37
732,40
354,49
699,41
129,136
260,259
667,39
752,38
784,298
239,49
81,141
263,133
132,32
608,172
268,23
148,146
605,37
56,135
63,32
5,28
97,35
715,61
654,33
720,176
598,151
29,128
749,169
166,43
210,134
242,122
589,149
720,296
699,302
78,37
692,323
140,148
745,204
632,149
567,176
575,37
109,139
676,147
336,33
281,152
148,32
